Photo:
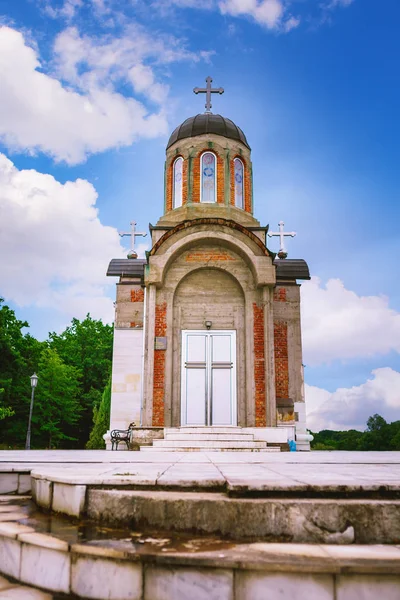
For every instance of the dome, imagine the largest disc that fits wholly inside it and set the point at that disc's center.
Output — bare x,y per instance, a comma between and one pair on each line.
207,123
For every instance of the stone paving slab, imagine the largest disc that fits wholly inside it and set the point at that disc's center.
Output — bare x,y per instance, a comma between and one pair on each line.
103,456
313,472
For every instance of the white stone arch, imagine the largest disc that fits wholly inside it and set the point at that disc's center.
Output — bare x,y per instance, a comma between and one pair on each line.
261,268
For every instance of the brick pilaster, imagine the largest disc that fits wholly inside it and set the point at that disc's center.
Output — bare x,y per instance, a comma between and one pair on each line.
159,367
259,366
281,359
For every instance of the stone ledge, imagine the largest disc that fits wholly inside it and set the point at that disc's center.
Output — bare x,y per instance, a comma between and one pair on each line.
337,521
245,571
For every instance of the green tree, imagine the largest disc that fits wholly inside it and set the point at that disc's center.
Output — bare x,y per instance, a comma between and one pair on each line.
19,356
5,411
376,423
395,435
376,436
56,408
101,420
87,346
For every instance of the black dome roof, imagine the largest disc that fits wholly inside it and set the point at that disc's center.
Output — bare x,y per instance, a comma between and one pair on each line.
207,123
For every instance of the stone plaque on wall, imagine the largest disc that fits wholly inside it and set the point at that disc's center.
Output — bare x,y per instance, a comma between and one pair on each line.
160,343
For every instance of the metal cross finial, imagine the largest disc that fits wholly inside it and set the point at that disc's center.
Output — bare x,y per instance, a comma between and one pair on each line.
281,234
132,233
208,90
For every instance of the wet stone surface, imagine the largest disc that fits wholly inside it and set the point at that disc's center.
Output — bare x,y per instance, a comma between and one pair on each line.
73,531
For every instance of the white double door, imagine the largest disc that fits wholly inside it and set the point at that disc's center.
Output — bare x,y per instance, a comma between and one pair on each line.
208,378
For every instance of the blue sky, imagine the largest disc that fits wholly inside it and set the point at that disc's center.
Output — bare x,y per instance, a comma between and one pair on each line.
91,91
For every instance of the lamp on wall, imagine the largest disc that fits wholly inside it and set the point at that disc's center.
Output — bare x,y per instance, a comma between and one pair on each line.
208,324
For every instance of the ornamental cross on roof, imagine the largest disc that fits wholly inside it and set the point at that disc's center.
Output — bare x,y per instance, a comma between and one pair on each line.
132,234
281,234
208,90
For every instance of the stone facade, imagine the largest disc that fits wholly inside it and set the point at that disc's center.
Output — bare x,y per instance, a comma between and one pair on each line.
208,264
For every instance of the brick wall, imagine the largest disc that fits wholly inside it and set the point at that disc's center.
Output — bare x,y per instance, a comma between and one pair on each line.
159,367
259,366
247,189
220,180
232,182
185,182
196,178
280,294
137,295
208,255
281,359
168,186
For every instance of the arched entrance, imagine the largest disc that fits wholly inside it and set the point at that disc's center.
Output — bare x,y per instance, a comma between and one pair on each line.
209,383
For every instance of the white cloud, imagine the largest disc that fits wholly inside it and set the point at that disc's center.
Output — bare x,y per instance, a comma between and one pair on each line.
272,14
57,120
268,13
66,11
350,408
77,110
291,23
55,251
265,12
338,3
340,325
87,62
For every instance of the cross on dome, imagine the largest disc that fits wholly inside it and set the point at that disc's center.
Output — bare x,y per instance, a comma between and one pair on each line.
208,90
132,234
281,234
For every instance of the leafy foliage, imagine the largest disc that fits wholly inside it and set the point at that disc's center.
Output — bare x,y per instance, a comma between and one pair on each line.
379,435
101,420
87,346
5,411
19,357
79,359
57,408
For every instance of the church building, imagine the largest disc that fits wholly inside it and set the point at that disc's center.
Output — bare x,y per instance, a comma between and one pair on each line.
207,329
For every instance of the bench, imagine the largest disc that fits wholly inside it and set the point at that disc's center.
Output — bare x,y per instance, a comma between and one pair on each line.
121,435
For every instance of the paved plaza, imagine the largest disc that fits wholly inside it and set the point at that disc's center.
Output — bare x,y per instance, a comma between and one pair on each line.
233,470
209,526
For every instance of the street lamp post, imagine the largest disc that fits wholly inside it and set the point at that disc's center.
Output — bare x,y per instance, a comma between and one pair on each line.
34,380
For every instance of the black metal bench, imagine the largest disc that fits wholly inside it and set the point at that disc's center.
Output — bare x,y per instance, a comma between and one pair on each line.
121,435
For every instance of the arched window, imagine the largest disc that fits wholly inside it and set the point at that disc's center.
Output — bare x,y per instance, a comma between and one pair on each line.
239,183
177,191
208,177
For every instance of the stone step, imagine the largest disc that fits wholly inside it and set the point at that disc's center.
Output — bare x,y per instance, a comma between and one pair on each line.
207,444
297,519
222,437
212,449
233,430
232,560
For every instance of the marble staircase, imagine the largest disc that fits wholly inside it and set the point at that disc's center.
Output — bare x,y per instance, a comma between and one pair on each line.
209,439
